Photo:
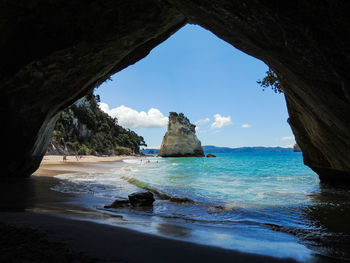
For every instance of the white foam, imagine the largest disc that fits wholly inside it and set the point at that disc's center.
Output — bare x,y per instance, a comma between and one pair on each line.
132,160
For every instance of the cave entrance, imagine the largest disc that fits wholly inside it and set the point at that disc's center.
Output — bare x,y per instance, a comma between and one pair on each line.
210,81
64,60
215,86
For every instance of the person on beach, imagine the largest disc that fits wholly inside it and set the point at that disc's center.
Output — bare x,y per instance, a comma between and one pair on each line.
64,157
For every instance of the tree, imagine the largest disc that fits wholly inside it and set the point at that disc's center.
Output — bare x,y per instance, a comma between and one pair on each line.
104,135
270,81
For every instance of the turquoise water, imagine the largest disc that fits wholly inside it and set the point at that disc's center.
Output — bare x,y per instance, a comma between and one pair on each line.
266,203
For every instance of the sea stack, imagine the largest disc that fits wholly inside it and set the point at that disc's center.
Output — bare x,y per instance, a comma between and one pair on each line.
180,140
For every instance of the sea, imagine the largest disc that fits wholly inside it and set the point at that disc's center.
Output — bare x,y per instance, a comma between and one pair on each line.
266,203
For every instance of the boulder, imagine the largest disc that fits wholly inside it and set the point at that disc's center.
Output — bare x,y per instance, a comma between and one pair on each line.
140,199
180,140
119,204
296,148
211,155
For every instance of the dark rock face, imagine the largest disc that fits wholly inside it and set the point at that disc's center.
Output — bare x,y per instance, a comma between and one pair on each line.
305,44
54,53
55,148
141,199
138,199
118,204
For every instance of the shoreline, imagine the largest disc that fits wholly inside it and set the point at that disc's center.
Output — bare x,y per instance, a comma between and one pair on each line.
53,165
54,214
58,159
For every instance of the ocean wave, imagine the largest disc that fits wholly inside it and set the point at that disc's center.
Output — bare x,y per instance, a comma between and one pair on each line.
104,185
213,208
160,194
218,221
83,176
141,160
134,161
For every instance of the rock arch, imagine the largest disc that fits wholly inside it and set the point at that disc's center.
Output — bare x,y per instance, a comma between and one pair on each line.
54,53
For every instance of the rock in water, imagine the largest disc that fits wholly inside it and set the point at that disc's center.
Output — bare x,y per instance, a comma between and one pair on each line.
180,140
118,204
211,155
296,148
141,199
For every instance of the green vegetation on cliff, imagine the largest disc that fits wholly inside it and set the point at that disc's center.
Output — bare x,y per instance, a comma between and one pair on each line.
270,81
84,128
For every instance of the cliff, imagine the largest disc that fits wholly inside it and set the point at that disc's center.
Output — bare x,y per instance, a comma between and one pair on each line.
57,148
83,128
180,140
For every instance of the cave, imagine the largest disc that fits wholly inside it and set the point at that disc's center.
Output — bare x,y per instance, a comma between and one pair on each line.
54,53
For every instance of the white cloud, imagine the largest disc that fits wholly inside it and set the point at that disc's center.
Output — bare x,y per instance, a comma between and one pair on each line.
152,147
130,118
287,138
221,121
246,125
203,121
288,146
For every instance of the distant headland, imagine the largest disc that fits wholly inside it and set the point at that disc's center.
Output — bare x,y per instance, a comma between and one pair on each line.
216,149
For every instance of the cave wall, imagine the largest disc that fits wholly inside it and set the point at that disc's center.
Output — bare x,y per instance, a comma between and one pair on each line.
307,45
55,52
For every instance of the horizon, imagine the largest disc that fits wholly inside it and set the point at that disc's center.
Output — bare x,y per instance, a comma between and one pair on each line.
229,147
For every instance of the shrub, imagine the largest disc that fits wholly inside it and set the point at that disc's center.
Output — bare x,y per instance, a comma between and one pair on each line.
73,145
84,150
120,150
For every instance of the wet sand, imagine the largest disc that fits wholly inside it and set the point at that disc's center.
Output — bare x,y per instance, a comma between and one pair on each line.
104,243
32,215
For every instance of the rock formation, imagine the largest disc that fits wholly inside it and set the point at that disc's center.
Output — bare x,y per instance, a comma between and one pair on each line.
53,53
141,199
296,148
55,148
180,140
138,199
119,203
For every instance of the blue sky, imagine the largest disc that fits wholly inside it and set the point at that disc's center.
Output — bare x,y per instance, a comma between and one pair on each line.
197,73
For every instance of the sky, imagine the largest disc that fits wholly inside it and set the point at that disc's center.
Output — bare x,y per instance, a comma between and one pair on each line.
207,79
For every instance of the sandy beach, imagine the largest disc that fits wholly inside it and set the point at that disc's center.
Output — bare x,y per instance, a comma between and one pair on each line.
52,165
58,159
41,225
